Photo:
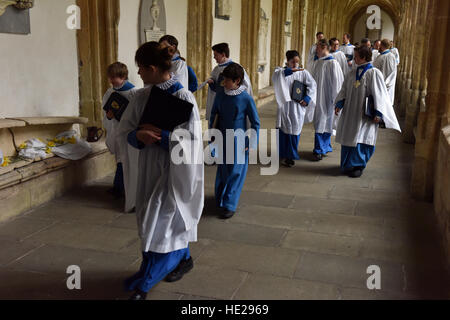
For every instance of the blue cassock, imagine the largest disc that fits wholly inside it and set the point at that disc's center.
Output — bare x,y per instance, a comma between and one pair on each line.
193,82
233,111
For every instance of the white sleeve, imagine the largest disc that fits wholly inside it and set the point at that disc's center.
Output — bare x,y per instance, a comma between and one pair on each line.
282,90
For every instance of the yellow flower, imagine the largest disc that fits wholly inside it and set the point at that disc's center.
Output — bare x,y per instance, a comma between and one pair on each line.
72,140
51,144
48,150
23,146
6,162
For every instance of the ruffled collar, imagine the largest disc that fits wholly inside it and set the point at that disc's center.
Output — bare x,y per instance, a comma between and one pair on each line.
236,92
169,83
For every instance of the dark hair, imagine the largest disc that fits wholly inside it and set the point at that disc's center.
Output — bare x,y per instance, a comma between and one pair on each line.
170,39
222,48
386,43
319,33
365,41
291,54
151,54
118,69
364,52
348,35
234,72
332,40
324,44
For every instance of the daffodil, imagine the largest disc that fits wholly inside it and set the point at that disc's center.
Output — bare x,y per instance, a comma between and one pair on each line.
6,162
72,140
23,146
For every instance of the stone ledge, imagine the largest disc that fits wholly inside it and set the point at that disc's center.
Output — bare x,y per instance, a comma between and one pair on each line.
24,171
36,121
29,187
11,123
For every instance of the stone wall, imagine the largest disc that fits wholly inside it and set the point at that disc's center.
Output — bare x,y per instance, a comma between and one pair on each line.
442,188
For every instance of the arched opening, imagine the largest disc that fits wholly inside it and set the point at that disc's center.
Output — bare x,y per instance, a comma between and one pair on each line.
360,30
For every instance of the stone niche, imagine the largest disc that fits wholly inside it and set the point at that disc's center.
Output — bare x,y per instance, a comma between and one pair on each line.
15,16
152,16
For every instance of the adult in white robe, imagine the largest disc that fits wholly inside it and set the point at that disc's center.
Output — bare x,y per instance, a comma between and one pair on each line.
356,132
126,156
180,69
312,57
291,115
396,53
349,50
387,64
339,55
329,78
215,86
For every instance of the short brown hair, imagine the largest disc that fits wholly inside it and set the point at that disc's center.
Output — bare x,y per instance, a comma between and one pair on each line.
222,48
364,52
324,43
118,69
386,43
234,72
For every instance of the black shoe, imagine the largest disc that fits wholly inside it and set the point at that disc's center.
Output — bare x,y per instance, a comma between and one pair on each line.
291,162
184,267
357,173
138,295
318,157
288,163
227,214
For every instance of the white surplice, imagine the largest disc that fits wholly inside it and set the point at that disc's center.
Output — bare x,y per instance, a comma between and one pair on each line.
354,127
170,196
291,116
387,64
329,79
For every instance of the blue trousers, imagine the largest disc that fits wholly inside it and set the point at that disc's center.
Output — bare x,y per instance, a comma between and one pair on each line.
322,143
154,268
229,184
118,179
356,157
288,146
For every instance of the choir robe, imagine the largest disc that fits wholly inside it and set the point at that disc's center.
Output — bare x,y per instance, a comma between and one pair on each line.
170,196
126,156
348,50
375,54
217,87
342,60
396,53
234,108
311,58
291,116
329,79
387,64
180,69
355,132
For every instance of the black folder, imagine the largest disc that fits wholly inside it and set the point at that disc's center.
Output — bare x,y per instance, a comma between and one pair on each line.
349,57
165,111
117,103
298,91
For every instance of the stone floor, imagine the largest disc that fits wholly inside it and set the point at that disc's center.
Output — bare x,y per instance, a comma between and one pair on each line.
306,233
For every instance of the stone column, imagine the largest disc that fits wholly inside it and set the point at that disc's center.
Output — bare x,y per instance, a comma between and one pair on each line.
97,48
277,39
437,112
249,40
199,43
